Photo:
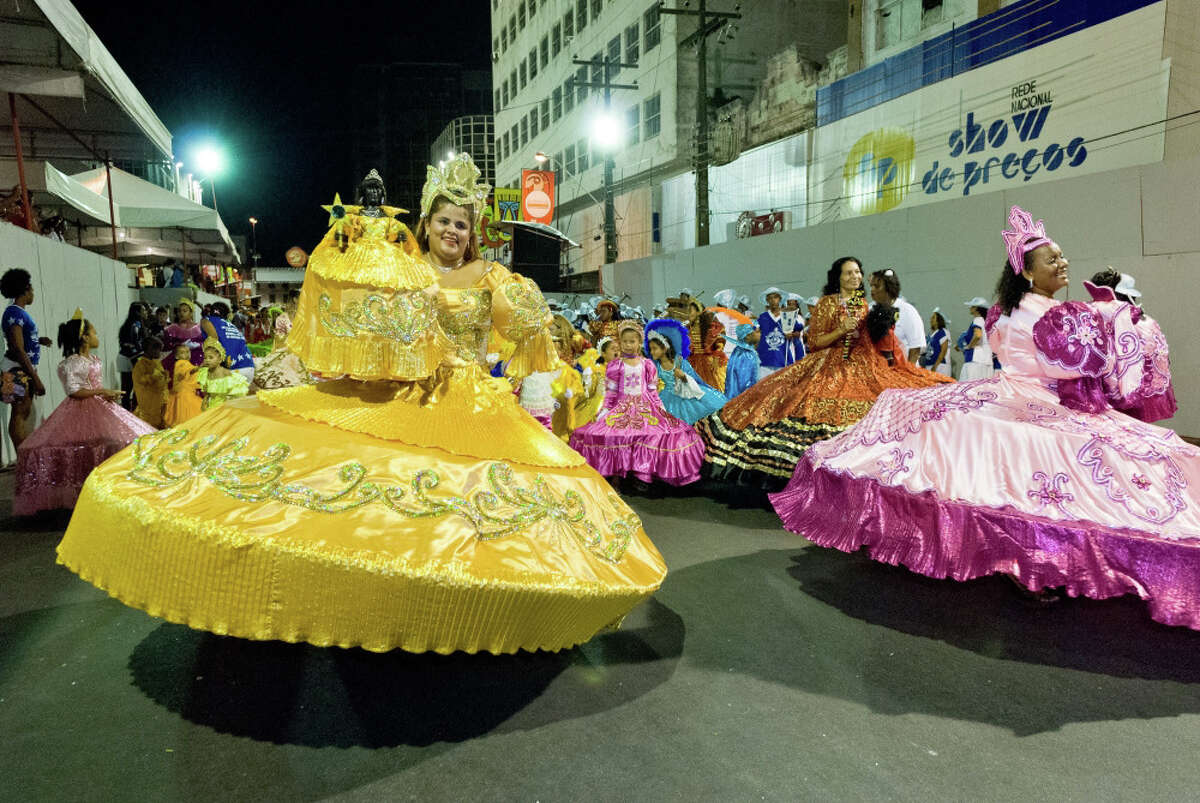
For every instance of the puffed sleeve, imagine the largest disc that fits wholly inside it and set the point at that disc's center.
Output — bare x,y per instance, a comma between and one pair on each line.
1072,345
520,314
73,372
1140,385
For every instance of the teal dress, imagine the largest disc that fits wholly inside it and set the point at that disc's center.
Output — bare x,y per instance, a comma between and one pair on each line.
689,410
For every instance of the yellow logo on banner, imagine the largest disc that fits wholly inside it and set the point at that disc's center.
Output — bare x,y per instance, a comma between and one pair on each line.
878,171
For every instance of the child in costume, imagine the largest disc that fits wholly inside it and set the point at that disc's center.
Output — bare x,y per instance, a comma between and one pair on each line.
82,432
683,393
150,383
185,401
633,433
742,371
218,383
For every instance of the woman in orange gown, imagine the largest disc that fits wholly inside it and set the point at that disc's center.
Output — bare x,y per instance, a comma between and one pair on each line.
854,356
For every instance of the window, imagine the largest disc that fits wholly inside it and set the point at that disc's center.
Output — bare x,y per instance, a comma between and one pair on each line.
568,26
524,72
507,145
556,102
545,112
512,82
521,15
504,94
581,19
496,45
533,6
570,165
651,114
533,122
614,52
631,44
544,51
569,95
597,7
555,39
533,64
497,99
499,149
512,28
503,37
581,85
581,159
633,126
524,131
515,143
653,33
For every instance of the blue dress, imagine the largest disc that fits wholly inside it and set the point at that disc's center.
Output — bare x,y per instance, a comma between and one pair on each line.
742,371
689,410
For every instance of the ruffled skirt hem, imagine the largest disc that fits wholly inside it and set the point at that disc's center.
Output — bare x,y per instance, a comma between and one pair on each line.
674,458
758,456
961,541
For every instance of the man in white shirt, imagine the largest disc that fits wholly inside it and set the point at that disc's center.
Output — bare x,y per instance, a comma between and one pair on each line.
910,329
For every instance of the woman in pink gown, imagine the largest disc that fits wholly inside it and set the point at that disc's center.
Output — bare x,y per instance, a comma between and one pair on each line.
1033,472
85,430
633,433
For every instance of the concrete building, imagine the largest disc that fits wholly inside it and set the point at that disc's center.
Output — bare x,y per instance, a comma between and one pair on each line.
543,103
470,134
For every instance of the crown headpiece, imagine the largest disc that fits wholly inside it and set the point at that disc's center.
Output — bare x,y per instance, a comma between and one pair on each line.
373,176
457,180
1024,237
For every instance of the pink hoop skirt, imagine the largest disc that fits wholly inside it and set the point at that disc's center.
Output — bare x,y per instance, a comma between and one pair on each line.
997,476
54,461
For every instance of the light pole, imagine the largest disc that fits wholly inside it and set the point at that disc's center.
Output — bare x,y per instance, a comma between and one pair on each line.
209,162
254,240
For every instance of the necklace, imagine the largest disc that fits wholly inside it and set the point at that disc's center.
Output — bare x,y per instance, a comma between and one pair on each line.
444,268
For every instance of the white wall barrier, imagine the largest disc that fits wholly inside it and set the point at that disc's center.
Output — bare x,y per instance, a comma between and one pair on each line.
64,278
1141,220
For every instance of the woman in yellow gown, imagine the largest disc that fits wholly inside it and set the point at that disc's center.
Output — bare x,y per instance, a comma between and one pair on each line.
385,509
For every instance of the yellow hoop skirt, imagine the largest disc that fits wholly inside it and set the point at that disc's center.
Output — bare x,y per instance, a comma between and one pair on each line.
257,523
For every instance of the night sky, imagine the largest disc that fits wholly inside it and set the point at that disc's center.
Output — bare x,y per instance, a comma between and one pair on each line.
266,81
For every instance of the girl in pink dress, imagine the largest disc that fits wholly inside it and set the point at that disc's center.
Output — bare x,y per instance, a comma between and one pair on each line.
633,433
82,432
1033,472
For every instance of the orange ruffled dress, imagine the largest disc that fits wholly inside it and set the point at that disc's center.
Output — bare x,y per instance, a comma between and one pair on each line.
420,514
759,436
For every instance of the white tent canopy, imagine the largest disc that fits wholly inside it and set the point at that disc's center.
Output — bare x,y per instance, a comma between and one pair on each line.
140,205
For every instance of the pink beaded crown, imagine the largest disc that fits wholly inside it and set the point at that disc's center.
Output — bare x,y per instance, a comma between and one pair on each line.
1025,237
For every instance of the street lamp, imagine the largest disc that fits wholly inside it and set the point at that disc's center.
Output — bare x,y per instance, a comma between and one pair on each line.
254,240
209,162
606,133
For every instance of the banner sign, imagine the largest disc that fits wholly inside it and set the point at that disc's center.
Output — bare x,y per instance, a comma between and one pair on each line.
1091,101
537,196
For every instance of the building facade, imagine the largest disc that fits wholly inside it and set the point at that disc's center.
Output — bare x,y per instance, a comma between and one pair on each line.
472,134
547,102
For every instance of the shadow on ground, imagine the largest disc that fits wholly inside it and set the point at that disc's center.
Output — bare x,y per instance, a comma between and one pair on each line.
304,695
844,626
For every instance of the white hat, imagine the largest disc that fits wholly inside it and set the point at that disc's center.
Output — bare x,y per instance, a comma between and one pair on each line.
687,291
977,301
812,301
795,297
1125,287
762,297
724,298
744,300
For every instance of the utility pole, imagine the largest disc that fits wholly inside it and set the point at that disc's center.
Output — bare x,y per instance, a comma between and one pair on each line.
708,23
610,67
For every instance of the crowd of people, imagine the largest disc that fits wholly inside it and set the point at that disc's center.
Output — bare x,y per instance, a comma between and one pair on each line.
440,468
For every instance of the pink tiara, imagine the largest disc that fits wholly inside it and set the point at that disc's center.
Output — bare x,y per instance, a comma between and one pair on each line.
1026,236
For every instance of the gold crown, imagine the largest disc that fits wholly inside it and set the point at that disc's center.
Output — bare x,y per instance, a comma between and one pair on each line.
457,180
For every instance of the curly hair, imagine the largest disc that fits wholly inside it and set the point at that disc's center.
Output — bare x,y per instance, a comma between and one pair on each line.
889,280
939,321
1110,277
880,321
833,279
15,282
70,335
1012,286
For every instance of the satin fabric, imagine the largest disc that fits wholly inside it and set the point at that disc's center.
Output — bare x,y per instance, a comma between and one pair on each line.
634,433
997,475
432,515
688,411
